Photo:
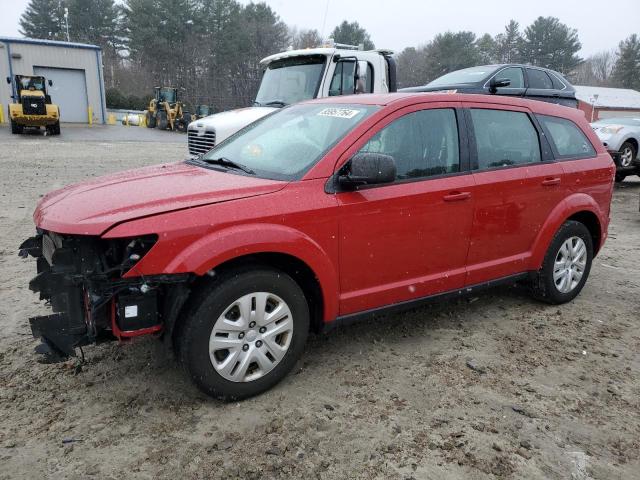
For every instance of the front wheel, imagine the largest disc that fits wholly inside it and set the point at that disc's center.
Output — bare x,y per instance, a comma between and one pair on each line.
15,128
150,119
244,333
161,120
566,265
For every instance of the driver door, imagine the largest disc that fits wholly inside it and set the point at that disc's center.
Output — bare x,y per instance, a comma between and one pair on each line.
408,239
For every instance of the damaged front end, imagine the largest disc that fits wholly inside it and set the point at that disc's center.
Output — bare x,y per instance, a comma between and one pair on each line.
81,278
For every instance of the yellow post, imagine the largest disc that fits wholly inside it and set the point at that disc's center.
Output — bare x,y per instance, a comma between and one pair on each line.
142,121
111,119
1,113
90,115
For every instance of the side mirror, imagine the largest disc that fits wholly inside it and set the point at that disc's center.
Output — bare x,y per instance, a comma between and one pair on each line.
50,83
368,169
497,83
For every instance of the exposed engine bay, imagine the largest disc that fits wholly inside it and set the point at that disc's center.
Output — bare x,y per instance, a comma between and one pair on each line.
81,278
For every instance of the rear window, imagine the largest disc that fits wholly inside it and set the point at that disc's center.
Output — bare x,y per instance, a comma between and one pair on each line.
567,138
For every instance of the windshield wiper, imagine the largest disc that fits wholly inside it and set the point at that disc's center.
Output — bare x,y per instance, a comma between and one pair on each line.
275,103
225,162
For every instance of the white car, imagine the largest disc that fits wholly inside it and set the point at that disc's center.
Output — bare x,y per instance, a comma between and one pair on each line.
621,137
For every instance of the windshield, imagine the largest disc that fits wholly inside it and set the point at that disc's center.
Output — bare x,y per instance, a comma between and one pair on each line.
32,83
286,144
168,95
291,80
634,122
467,75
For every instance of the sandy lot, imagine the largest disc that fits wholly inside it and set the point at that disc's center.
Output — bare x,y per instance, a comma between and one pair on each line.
555,392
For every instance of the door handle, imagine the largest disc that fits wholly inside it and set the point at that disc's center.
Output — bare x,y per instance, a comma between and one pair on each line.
456,196
551,181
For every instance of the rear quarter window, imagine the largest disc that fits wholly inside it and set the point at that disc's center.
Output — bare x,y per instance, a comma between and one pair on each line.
567,138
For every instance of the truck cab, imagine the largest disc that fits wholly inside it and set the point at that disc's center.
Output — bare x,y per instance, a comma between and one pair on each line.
296,75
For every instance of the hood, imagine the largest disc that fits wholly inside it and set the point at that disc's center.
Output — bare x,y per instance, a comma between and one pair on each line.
90,208
226,124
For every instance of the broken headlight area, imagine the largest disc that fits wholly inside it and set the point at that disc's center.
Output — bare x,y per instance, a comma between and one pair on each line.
81,278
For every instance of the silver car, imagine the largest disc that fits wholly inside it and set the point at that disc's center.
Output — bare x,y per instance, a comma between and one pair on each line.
621,137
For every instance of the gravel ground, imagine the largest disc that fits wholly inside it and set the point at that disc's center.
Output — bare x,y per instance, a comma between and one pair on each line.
492,386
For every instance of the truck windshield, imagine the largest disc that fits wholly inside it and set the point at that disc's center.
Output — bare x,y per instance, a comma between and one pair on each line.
286,144
467,75
291,80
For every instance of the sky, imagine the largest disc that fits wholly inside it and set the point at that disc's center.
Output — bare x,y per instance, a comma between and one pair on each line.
396,24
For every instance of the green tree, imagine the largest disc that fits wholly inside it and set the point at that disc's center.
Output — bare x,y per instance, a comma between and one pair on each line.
486,46
626,72
94,21
43,19
450,51
509,44
551,44
352,34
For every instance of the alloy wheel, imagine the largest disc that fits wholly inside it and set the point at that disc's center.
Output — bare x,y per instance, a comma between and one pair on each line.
626,156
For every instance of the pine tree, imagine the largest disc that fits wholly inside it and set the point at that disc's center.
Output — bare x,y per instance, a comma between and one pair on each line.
626,72
509,44
43,19
551,44
487,47
352,34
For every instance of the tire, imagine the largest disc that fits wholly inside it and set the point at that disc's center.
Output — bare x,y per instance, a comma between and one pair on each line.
161,120
150,120
56,128
15,128
556,284
184,122
231,374
620,177
626,155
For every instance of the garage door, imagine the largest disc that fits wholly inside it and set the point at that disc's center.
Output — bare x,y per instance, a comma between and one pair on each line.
69,92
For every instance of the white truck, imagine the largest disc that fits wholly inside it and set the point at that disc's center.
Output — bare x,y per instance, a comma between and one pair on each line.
297,75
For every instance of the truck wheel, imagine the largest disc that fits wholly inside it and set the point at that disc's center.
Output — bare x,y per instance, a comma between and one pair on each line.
566,265
184,122
56,128
244,333
15,128
161,120
150,120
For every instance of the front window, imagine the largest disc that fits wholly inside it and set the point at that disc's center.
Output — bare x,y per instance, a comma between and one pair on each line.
465,76
286,144
291,80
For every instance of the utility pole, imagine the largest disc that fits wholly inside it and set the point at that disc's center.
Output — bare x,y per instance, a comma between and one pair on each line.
66,21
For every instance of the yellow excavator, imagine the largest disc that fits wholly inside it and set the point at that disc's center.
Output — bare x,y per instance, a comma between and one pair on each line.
31,106
165,111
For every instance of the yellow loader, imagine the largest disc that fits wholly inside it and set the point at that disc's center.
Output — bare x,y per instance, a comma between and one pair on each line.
165,111
31,106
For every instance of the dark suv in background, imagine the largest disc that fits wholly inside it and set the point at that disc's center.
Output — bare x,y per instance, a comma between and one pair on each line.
514,80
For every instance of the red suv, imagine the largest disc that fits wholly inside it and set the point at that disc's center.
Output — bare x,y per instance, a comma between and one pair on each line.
324,212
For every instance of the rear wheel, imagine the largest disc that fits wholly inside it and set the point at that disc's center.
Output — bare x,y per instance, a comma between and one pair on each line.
161,120
566,265
150,120
184,122
244,333
627,154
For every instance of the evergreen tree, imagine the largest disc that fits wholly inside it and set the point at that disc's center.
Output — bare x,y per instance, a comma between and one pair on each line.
509,44
352,34
626,72
451,51
43,19
487,47
551,44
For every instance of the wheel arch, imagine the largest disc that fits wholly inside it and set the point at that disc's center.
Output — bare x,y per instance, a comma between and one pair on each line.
578,207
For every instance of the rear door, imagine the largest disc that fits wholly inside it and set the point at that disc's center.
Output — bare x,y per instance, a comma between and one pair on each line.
517,184
408,239
540,86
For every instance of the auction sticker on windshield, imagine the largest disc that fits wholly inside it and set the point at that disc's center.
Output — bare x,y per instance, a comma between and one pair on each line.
338,112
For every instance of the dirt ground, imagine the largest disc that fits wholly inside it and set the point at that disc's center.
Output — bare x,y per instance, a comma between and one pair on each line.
492,386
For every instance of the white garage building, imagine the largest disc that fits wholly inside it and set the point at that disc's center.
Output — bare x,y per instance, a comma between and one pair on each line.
74,68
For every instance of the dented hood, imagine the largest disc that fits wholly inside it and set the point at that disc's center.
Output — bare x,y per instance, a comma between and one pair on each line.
92,207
